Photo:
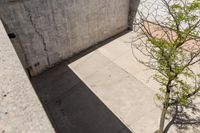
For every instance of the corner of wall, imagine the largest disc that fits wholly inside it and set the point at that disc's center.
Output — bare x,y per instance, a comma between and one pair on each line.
133,7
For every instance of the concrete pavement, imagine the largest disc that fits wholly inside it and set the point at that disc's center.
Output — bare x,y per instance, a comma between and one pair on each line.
113,74
104,91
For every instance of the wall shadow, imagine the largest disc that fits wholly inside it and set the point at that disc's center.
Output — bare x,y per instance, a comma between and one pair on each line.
71,106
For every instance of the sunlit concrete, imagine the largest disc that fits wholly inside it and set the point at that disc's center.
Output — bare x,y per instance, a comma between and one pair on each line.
113,74
123,84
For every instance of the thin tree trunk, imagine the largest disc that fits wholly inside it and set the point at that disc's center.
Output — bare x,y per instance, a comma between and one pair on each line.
164,111
172,121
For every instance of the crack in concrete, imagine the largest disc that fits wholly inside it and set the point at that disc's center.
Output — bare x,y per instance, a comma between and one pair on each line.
37,31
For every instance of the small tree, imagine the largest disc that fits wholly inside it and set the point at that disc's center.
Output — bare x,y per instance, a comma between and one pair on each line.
169,38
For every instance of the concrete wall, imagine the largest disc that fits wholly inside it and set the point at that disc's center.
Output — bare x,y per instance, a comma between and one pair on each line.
20,108
49,31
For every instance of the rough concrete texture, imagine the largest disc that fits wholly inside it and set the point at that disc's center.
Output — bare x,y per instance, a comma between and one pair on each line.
20,108
113,76
73,92
49,31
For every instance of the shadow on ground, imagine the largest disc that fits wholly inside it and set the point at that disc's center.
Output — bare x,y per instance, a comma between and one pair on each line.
185,118
71,106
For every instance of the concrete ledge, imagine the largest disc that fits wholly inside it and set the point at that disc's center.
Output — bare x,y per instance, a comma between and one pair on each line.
20,108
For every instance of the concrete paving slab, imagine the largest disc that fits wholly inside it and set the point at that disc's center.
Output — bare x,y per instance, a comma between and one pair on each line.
129,63
117,47
148,123
121,92
146,77
89,64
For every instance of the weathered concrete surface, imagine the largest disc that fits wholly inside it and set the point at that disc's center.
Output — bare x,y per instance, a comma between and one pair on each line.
120,84
20,108
116,78
49,31
113,75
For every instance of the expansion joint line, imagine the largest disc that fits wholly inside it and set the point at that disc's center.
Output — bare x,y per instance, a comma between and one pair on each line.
37,31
